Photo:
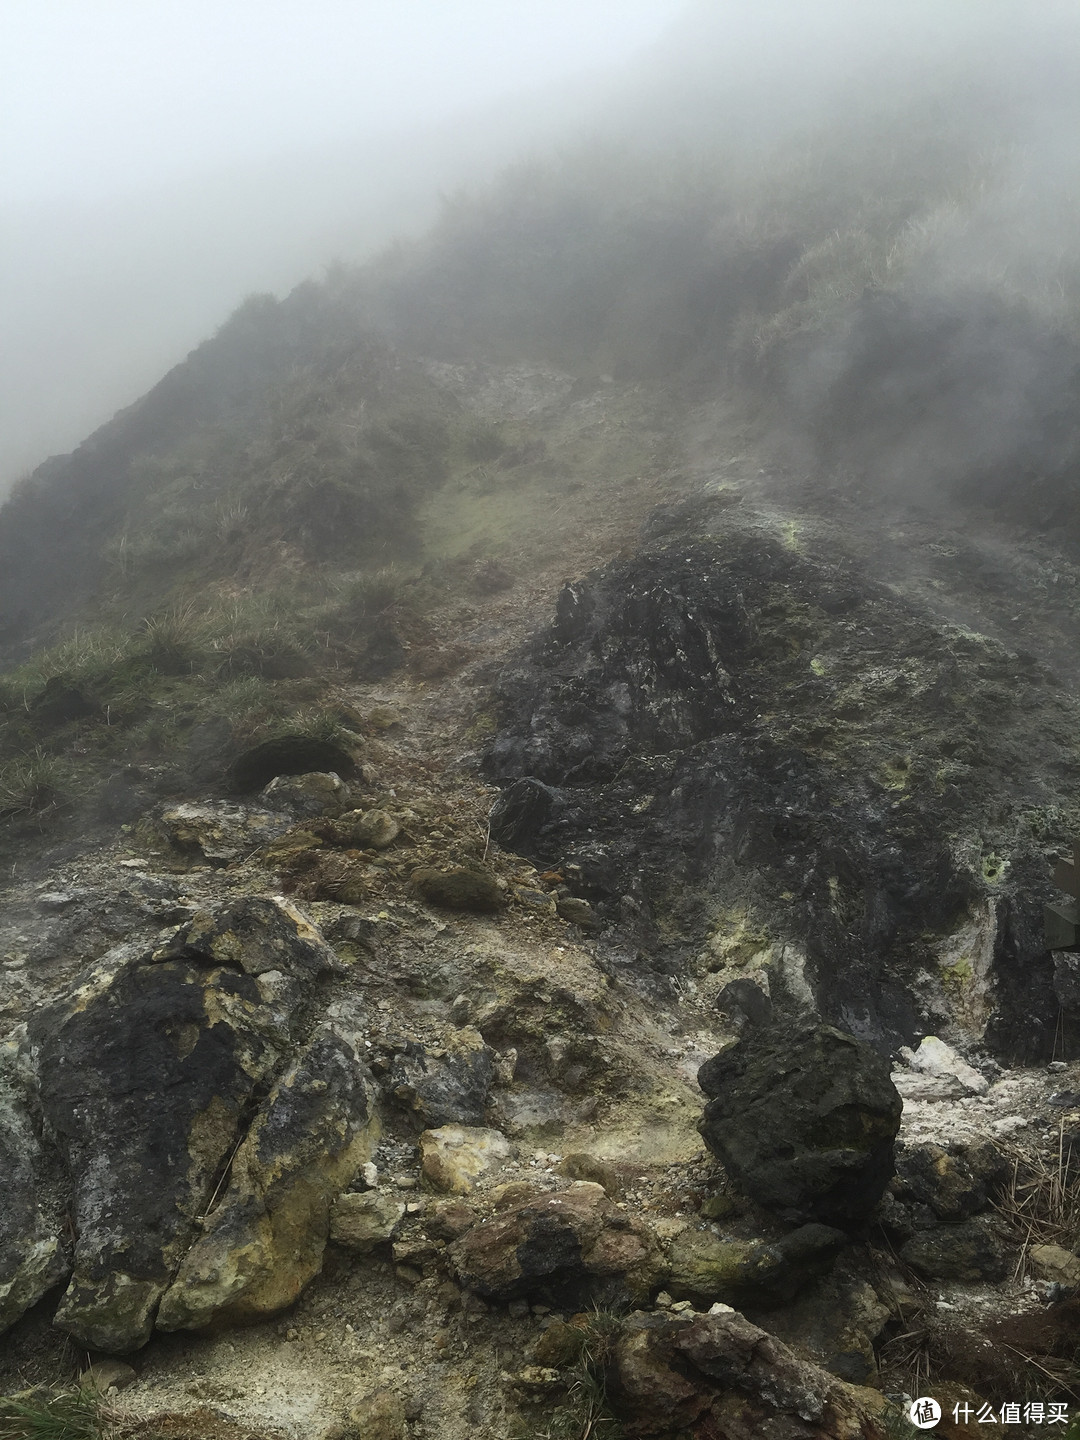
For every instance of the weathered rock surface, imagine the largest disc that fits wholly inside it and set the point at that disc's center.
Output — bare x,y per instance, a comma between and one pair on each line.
450,1088
210,831
574,1246
307,796
458,889
733,711
746,1273
153,1071
803,1118
969,1252
453,1157
361,1222
720,1375
929,1175
31,1256
265,1240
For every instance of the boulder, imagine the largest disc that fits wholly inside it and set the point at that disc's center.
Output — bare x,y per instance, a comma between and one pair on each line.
968,1252
151,1073
368,829
803,1117
936,1072
453,1157
746,1273
210,832
1056,1264
265,1240
720,1375
31,1258
361,1222
573,1246
448,1087
307,796
458,889
928,1175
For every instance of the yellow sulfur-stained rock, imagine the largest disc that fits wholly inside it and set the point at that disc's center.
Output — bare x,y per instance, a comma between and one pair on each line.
453,1157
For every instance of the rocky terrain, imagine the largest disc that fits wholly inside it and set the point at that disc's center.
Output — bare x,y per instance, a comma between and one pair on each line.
530,774
526,1069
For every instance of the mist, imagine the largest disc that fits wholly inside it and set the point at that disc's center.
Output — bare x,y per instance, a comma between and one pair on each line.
163,162
163,166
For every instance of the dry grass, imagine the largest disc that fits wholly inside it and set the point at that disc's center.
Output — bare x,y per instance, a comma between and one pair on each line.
1042,1198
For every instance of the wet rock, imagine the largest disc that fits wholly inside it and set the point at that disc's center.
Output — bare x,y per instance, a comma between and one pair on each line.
361,1222
969,1252
447,1088
928,1175
574,1246
458,889
453,1157
746,1273
803,1118
307,796
148,1073
675,1373
292,754
31,1258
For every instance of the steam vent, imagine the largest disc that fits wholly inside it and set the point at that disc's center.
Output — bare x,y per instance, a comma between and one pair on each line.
540,766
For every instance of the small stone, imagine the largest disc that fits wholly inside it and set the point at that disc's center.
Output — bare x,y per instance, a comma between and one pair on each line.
369,1173
453,1157
581,1166
106,1375
360,1222
1056,1264
518,1309
578,912
369,829
458,889
380,1416
663,1301
938,1060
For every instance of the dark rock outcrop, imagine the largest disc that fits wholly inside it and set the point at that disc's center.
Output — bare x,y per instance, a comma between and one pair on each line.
450,1088
803,1118
726,711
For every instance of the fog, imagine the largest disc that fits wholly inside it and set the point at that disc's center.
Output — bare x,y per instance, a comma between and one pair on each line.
162,161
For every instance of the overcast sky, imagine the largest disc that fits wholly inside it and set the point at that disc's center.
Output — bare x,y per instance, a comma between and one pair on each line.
161,159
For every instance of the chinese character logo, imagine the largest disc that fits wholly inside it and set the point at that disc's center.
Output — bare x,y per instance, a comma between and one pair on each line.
925,1413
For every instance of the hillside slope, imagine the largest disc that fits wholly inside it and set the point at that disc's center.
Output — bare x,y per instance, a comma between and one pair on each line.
615,652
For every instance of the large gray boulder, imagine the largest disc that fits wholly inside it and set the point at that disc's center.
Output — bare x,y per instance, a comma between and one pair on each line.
803,1118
